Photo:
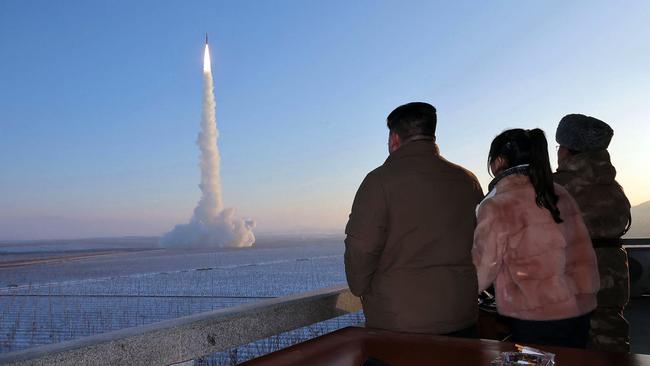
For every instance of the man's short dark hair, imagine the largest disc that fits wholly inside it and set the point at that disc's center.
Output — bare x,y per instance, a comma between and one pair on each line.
413,119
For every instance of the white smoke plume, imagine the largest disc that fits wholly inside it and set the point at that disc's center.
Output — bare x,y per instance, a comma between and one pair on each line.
211,225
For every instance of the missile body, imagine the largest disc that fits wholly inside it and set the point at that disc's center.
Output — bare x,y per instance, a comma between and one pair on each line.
206,57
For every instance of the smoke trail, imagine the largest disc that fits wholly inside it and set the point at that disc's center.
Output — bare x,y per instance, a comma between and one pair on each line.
211,225
211,202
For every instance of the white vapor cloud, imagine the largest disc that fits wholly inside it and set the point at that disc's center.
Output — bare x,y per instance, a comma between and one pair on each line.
211,225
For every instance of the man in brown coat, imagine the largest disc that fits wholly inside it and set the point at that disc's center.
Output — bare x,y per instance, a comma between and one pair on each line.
585,170
410,233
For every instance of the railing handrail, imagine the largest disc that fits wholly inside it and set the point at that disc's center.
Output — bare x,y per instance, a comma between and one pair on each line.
189,337
636,242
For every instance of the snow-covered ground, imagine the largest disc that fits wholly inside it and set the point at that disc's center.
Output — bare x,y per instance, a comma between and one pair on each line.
56,292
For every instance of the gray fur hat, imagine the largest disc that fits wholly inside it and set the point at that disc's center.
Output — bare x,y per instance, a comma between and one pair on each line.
583,133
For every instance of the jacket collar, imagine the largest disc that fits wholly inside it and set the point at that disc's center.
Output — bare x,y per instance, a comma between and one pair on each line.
508,180
522,169
512,182
414,148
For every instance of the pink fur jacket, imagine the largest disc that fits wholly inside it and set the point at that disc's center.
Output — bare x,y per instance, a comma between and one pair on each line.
541,270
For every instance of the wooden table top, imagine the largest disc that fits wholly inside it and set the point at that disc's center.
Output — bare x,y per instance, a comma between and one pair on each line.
352,345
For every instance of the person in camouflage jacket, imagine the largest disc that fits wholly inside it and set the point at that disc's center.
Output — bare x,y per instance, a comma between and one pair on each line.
585,170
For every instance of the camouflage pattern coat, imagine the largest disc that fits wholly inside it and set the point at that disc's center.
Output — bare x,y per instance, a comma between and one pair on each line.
591,180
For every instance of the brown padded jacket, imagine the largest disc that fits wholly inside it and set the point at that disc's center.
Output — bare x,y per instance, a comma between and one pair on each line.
409,240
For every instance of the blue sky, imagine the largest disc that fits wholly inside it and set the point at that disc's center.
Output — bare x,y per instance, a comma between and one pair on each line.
100,101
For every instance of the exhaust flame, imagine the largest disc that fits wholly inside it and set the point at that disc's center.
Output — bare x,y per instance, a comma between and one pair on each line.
207,68
211,225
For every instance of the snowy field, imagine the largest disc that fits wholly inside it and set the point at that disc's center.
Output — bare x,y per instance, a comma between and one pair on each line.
57,291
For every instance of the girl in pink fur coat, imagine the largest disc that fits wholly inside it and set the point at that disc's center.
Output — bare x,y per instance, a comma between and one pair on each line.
532,245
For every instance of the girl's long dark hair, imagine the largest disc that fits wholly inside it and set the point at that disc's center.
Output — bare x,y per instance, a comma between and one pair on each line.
518,147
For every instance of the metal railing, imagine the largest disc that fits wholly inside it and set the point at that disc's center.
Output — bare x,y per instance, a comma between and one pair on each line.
186,338
636,243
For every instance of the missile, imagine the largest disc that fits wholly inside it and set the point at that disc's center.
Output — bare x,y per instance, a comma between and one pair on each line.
206,56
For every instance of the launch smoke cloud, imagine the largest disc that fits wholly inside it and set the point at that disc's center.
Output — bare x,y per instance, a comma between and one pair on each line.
211,225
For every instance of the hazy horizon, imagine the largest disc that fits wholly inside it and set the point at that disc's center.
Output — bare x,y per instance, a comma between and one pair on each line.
100,103
298,231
